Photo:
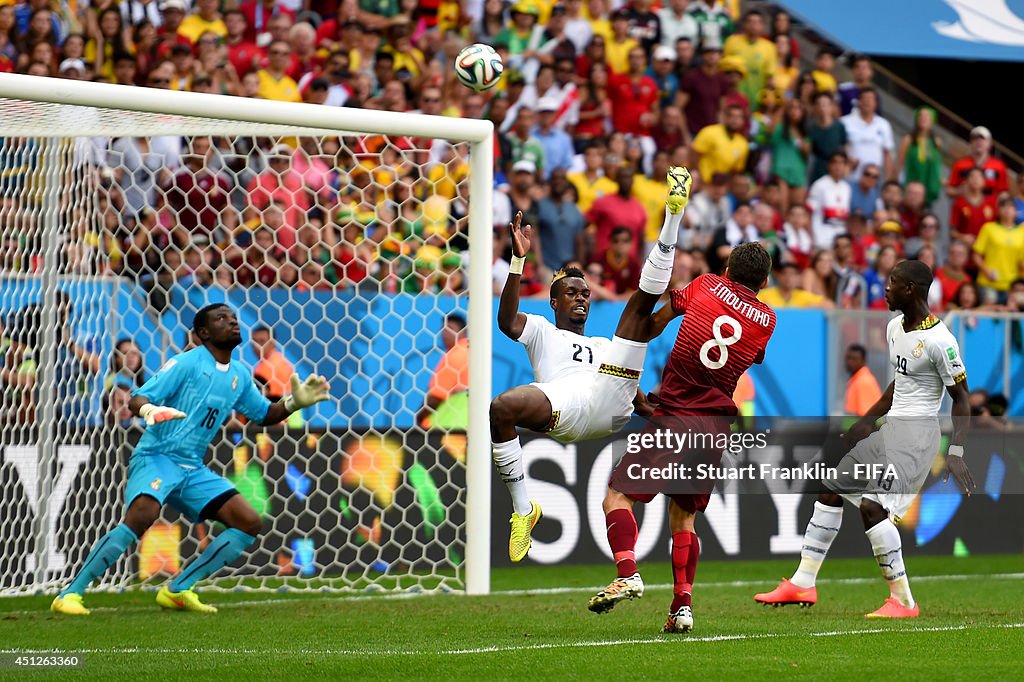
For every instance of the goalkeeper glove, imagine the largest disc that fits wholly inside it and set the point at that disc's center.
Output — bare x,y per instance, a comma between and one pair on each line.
155,414
309,392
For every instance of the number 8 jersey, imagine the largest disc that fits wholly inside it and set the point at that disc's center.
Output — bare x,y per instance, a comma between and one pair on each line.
725,330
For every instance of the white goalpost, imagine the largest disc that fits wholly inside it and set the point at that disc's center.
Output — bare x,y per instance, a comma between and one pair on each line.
344,233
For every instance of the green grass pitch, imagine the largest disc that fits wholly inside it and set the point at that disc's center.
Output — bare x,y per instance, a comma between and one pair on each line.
536,626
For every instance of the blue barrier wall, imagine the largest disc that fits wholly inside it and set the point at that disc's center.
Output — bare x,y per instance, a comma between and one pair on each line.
379,351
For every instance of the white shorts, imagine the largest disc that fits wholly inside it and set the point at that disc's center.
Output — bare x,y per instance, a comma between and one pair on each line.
600,408
894,464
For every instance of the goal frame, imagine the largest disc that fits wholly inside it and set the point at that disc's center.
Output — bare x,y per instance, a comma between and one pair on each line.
330,120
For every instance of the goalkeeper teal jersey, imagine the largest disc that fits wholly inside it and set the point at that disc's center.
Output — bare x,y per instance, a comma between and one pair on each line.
207,392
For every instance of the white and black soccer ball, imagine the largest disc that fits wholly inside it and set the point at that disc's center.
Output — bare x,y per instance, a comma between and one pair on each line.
478,67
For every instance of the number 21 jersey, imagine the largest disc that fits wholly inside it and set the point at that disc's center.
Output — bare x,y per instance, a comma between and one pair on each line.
725,330
559,354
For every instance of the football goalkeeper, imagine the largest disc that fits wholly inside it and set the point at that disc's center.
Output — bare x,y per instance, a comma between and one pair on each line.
184,405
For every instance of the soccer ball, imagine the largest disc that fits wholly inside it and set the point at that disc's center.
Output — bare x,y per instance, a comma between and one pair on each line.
478,67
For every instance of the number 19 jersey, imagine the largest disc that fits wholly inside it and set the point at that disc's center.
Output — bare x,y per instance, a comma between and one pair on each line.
725,330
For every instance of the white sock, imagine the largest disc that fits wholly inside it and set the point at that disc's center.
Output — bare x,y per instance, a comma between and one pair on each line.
822,529
888,549
657,270
508,459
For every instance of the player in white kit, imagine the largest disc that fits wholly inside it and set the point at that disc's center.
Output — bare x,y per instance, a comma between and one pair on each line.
586,387
885,469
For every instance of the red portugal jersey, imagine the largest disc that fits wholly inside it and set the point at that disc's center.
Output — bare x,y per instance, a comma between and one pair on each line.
725,330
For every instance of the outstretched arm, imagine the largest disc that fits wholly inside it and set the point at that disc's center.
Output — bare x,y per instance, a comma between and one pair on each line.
511,322
304,394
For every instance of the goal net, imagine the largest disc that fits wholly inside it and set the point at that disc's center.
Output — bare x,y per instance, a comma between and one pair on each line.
341,238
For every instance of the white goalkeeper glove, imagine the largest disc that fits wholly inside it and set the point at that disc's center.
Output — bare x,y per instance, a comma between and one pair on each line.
155,414
309,392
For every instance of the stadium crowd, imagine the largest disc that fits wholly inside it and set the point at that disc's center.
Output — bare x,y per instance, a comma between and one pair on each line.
598,99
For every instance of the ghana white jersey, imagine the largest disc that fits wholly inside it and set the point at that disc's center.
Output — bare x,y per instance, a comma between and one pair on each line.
561,355
926,360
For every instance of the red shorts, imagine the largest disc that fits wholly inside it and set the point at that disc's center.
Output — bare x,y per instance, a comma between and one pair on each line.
691,495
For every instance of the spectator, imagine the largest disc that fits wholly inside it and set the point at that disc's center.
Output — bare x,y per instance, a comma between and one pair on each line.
913,208
280,184
670,132
787,292
446,405
714,21
764,221
125,365
953,272
862,389
863,77
651,191
789,150
243,54
702,90
972,208
865,194
258,14
826,135
820,278
869,135
829,201
167,32
619,44
615,210
739,229
824,71
993,169
557,145
662,72
799,237
634,100
275,83
111,37
734,71
199,196
620,268
560,223
522,145
686,57
677,23
877,278
1019,197
920,155
272,367
591,183
927,236
786,74
756,53
206,17
851,291
722,148
708,210
555,45
577,28
999,253
595,110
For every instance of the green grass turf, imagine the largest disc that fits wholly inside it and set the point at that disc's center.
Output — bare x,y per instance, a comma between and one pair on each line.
970,628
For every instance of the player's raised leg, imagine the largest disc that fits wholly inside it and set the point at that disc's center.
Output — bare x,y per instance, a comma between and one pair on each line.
141,514
685,552
527,407
822,529
208,495
635,320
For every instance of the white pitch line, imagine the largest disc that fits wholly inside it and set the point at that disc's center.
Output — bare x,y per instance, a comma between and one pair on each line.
673,640
290,599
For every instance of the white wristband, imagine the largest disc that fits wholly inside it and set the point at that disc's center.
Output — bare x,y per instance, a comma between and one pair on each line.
955,451
289,404
515,267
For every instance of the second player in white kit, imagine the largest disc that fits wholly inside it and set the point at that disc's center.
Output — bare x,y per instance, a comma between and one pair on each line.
895,460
